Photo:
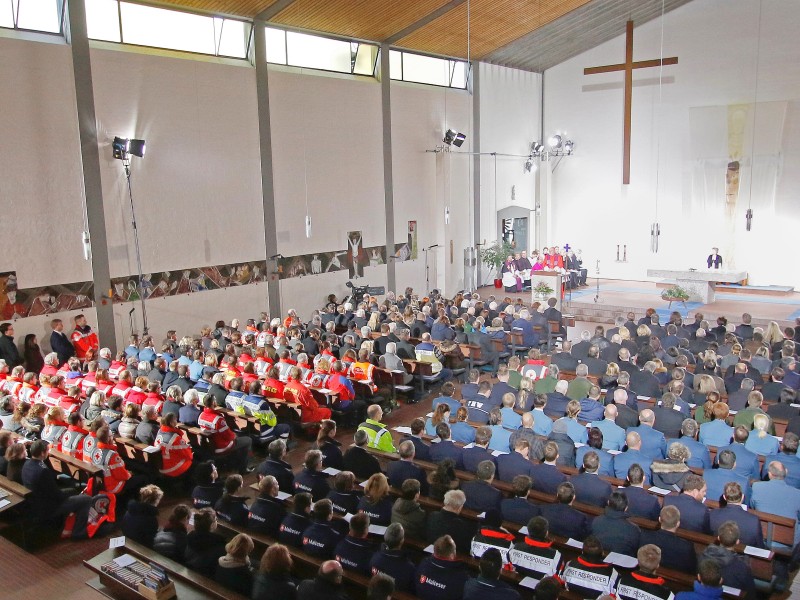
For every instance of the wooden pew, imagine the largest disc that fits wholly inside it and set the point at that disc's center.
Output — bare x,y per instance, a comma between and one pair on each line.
188,584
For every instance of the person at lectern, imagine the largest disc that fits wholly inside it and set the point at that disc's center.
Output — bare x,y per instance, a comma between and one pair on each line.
714,260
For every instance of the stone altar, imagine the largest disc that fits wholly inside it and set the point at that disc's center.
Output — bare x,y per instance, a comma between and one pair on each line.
699,283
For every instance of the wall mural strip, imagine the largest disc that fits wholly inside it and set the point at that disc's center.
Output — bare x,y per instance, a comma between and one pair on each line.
17,303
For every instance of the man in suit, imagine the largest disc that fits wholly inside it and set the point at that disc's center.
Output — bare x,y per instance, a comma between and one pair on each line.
557,401
501,388
747,464
563,519
627,417
611,352
445,447
516,463
589,488
547,476
481,495
581,350
566,446
47,502
668,420
717,479
358,460
610,333
518,509
783,408
625,363
776,497
564,360
400,470
676,553
479,450
654,445
745,330
596,365
421,450
750,531
788,458
614,530
277,467
470,390
734,381
60,343
551,313
488,351
641,503
633,455
644,382
448,521
524,326
738,400
613,434
694,514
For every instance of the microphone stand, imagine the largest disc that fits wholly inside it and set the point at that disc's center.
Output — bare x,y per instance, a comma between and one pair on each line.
597,283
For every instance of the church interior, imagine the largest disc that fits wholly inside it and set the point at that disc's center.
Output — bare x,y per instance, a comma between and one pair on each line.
298,148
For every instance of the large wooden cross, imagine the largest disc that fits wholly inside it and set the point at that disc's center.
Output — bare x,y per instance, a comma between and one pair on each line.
628,66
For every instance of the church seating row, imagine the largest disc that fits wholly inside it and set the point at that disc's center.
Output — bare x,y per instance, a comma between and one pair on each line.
778,529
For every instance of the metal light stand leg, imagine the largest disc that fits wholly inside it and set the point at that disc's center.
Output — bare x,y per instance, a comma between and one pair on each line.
597,282
127,164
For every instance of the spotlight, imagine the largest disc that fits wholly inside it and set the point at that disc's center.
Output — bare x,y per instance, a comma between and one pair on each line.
554,142
569,145
536,148
119,148
136,147
528,165
454,138
122,148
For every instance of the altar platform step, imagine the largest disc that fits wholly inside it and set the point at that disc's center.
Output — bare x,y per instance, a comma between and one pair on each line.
732,288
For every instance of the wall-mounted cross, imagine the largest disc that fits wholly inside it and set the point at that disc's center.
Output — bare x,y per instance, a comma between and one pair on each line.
628,66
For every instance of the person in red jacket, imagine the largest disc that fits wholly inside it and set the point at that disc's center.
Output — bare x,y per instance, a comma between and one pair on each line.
224,440
72,440
29,389
273,387
154,397
176,453
105,456
50,365
56,391
137,393
102,382
54,427
124,385
84,339
71,401
13,382
295,391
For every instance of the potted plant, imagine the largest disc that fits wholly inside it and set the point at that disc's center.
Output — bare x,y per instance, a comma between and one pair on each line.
542,290
675,294
494,256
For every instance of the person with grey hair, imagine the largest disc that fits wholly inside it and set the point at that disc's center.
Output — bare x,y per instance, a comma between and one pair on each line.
392,361
654,444
671,473
189,413
358,460
448,521
557,400
400,470
579,386
626,416
147,429
481,496
700,457
392,561
776,496
644,382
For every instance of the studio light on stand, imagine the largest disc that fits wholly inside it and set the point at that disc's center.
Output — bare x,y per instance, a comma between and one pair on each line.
454,138
122,149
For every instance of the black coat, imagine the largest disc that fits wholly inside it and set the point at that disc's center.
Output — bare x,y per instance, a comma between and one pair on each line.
171,542
60,344
566,521
361,463
274,587
9,351
460,529
280,470
203,551
140,523
616,533
676,552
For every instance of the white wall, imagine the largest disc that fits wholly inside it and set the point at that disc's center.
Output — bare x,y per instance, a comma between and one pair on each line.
715,41
510,121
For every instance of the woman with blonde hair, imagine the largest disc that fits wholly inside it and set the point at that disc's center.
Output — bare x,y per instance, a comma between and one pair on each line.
376,501
440,415
704,385
773,334
130,421
55,425
374,322
760,441
732,358
234,570
612,373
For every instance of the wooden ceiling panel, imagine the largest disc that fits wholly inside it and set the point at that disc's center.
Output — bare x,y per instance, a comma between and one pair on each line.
493,24
239,8
362,19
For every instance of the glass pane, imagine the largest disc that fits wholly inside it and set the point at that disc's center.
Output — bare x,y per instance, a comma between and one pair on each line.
233,40
425,69
365,59
395,64
276,45
102,20
459,74
317,52
150,26
6,14
39,15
